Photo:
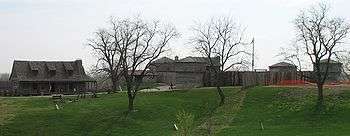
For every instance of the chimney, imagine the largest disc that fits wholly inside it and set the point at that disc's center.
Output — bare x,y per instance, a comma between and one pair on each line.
79,64
176,58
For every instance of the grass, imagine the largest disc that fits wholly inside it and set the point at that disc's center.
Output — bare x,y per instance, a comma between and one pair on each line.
263,111
290,112
106,115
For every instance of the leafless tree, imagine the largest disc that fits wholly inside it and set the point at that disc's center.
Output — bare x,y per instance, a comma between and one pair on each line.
320,36
104,48
221,41
139,43
4,76
295,54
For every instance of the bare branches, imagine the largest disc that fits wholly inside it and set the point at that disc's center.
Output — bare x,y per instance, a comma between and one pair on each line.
102,45
137,44
221,38
293,54
129,45
4,76
220,41
321,36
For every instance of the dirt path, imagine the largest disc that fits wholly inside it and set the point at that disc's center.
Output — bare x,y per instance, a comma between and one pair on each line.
222,116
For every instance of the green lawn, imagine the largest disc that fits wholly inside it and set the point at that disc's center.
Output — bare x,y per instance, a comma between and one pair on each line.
291,112
281,111
105,115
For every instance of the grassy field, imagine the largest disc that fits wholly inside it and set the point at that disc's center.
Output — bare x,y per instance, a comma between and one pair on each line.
105,115
291,112
257,111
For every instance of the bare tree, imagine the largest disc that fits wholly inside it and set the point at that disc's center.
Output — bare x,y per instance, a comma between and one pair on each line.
4,76
293,54
320,36
104,48
219,40
139,43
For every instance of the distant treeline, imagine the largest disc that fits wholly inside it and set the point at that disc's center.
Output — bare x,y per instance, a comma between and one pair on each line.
4,76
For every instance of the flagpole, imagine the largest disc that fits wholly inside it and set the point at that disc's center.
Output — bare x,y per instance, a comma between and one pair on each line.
253,53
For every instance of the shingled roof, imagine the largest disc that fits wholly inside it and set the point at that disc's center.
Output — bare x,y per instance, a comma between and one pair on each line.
330,61
191,59
283,64
164,60
49,71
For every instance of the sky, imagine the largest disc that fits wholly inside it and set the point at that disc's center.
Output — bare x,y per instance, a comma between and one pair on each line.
59,29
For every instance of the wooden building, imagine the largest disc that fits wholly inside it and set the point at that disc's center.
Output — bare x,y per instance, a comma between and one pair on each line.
335,69
282,67
49,77
185,72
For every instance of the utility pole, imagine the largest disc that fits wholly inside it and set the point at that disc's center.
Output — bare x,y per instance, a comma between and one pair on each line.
253,53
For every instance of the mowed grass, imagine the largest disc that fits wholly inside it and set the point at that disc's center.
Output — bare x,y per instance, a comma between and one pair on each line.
262,111
291,112
106,115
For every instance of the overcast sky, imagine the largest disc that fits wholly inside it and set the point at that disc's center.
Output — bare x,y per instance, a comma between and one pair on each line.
59,29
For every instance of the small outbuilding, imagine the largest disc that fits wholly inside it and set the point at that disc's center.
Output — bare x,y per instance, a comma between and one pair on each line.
186,72
283,67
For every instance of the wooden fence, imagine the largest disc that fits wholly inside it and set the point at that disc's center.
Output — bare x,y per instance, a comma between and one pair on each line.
253,78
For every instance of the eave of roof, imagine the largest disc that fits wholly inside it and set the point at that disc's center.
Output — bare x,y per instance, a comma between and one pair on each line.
282,64
21,71
330,61
164,60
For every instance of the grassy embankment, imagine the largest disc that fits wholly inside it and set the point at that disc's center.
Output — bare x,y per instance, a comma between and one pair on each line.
256,111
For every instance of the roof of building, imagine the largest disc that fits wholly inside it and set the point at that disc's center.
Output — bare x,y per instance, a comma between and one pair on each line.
283,64
164,60
330,61
52,71
191,59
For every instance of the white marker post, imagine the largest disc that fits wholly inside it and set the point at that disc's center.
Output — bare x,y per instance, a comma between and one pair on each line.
176,127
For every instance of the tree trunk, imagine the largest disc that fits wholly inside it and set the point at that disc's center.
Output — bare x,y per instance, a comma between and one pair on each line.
221,94
130,94
320,95
131,104
114,85
218,88
131,99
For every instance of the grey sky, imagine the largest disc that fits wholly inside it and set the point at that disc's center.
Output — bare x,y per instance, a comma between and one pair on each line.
58,29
